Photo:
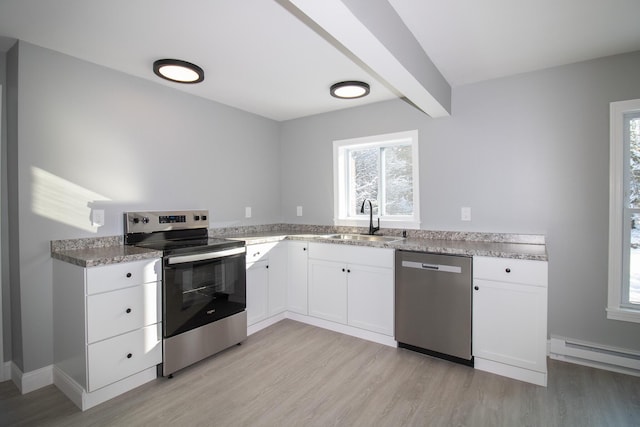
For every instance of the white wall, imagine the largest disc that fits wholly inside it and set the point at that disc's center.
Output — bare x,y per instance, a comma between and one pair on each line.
87,133
528,154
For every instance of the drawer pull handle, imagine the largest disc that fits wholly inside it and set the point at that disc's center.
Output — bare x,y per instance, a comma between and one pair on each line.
128,310
128,274
508,270
477,288
129,355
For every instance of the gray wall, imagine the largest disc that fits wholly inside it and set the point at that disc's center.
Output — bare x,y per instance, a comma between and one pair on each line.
85,130
528,154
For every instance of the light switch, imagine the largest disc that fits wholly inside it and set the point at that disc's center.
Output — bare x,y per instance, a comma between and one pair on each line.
247,212
465,214
299,211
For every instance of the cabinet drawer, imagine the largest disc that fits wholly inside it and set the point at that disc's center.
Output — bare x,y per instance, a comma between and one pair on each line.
119,357
511,270
116,312
259,252
379,257
117,276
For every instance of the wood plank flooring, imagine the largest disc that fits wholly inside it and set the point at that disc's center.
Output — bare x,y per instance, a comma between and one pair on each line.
292,374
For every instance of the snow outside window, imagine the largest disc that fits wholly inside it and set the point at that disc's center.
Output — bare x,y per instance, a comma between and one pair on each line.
624,212
382,169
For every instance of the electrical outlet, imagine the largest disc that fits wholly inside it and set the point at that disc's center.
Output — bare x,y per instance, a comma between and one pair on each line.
247,212
97,217
465,214
299,211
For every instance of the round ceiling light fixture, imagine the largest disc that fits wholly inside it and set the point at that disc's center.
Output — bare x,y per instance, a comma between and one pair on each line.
349,90
178,71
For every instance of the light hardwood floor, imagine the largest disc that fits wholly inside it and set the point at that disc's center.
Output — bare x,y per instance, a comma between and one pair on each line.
292,374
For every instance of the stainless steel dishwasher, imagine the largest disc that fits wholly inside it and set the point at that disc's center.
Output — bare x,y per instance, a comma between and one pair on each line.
433,305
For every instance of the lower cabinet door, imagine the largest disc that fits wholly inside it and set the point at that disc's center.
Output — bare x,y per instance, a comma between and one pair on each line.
119,357
510,323
257,291
328,290
370,297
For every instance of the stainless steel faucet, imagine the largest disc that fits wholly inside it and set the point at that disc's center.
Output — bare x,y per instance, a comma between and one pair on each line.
372,229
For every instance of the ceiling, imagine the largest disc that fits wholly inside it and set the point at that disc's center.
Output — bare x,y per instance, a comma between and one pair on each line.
277,58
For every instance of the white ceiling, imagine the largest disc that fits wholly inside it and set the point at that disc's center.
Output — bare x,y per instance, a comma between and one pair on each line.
260,57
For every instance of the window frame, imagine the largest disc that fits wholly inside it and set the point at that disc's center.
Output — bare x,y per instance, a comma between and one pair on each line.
340,189
618,241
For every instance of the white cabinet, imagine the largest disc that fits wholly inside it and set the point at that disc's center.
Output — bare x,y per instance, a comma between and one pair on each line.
266,281
328,290
297,270
370,298
107,328
510,317
352,285
257,291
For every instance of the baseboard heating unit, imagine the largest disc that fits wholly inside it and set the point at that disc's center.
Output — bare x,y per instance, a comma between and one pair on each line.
595,355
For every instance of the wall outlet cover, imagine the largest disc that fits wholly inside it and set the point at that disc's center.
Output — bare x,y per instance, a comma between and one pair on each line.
247,212
299,210
97,217
465,214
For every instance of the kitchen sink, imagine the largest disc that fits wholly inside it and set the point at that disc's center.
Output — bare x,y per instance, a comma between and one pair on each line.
363,237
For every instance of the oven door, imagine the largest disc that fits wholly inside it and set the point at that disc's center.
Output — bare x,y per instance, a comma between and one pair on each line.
201,288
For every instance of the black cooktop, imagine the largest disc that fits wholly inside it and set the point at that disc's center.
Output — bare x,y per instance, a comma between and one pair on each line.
180,242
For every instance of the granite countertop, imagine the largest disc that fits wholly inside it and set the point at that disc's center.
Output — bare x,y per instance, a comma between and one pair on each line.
104,255
92,252
530,251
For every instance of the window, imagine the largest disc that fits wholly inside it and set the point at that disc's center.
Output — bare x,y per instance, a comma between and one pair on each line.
624,212
382,169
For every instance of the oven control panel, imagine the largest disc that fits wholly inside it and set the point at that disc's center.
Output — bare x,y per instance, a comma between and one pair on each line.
152,221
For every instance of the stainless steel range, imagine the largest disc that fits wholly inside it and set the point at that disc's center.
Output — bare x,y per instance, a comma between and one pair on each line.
203,284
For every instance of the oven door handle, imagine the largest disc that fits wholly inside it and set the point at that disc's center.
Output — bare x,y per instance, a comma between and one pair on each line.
182,259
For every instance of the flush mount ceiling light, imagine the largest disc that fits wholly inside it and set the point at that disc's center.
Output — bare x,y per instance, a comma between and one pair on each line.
349,90
178,71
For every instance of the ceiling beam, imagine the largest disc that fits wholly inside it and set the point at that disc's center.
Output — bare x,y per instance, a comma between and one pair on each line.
374,34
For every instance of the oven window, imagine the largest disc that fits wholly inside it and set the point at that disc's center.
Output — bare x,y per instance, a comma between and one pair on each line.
197,293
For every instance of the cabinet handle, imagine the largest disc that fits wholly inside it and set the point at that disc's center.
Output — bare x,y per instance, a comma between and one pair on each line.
304,249
508,270
343,270
348,271
267,266
476,288
128,310
129,355
128,274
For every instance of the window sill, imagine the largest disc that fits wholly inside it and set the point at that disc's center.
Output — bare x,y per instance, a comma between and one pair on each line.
623,314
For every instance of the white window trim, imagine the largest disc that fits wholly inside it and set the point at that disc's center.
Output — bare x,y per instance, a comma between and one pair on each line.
339,205
615,310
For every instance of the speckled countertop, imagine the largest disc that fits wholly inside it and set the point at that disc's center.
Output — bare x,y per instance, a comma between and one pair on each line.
528,251
91,252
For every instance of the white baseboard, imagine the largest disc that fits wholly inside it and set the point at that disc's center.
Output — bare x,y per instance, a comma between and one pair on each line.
5,371
521,374
252,329
84,400
325,324
344,329
30,381
595,355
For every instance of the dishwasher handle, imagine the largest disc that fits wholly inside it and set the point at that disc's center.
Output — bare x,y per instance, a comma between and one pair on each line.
432,267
